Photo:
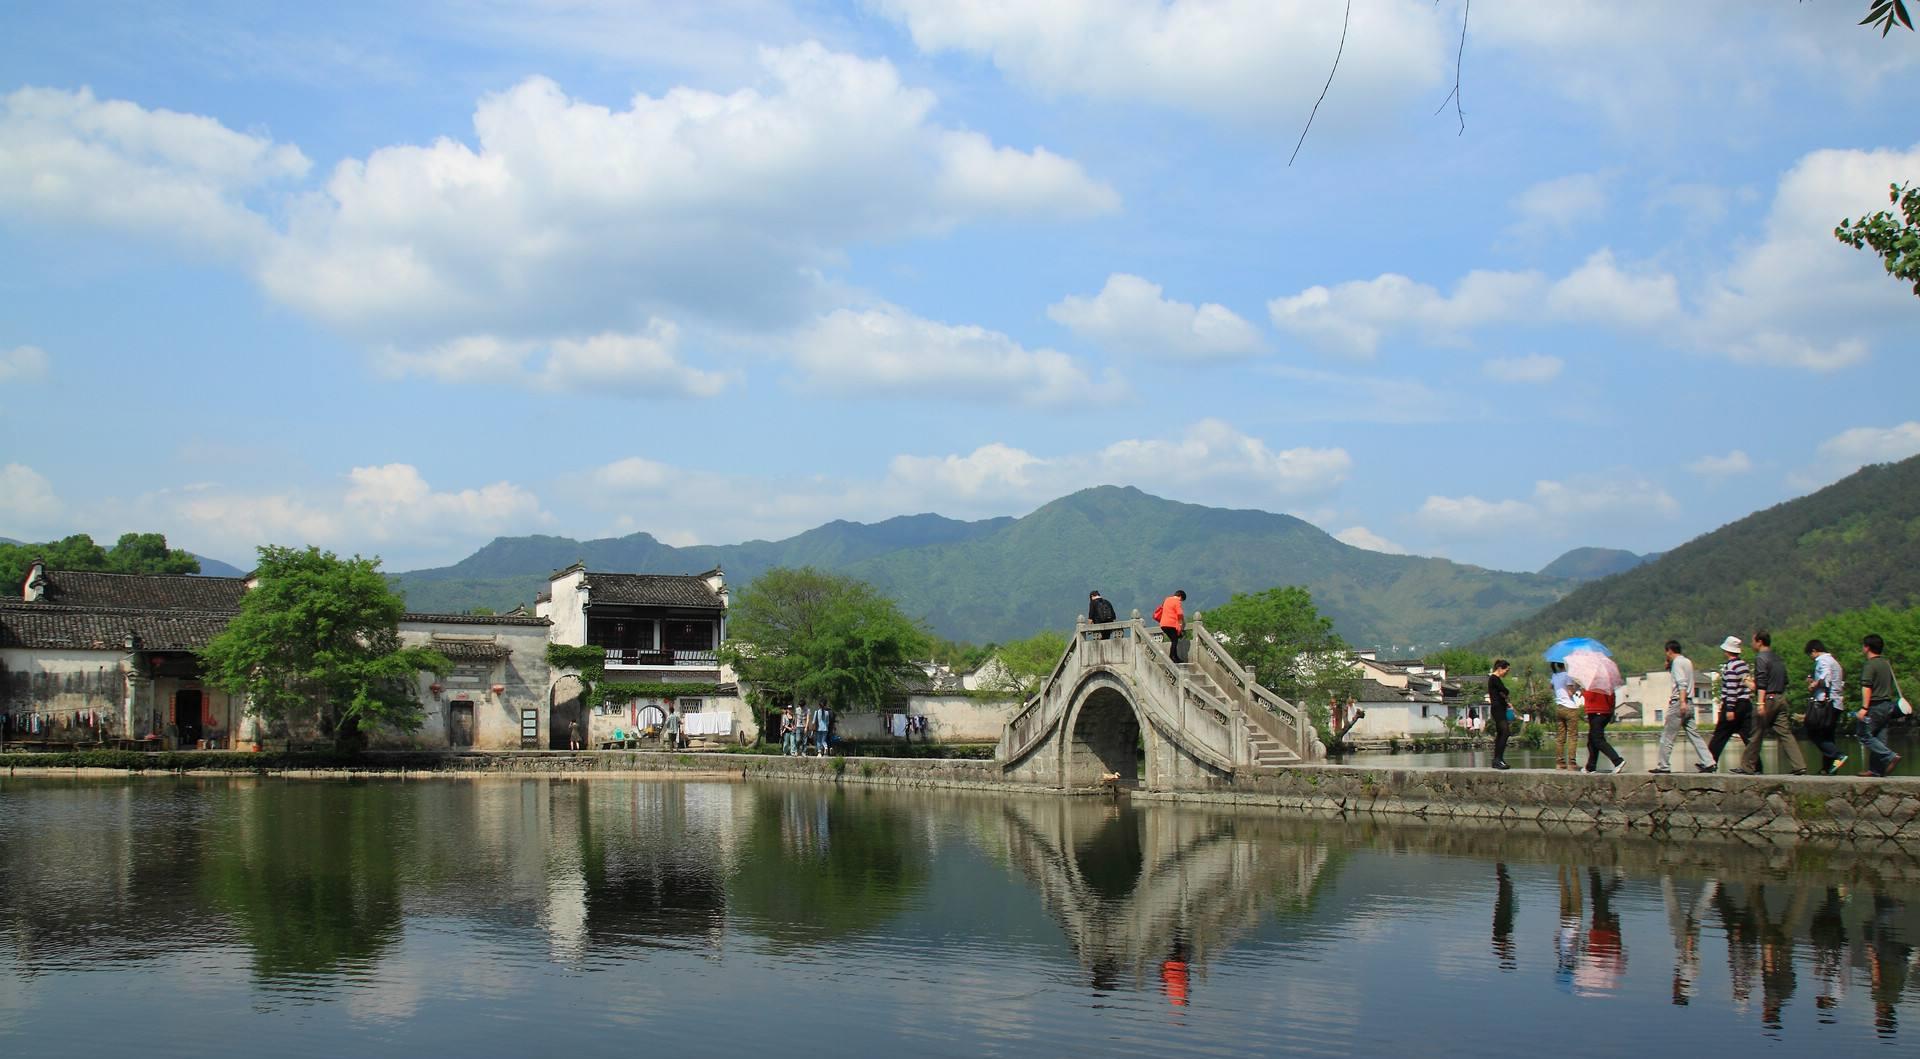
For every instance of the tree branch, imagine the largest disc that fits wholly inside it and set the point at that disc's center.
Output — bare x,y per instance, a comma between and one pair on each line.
1323,89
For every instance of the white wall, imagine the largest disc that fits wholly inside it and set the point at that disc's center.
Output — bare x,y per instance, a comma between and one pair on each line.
568,614
1399,720
522,677
63,681
950,719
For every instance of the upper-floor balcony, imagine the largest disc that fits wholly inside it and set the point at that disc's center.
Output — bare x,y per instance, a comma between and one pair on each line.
647,658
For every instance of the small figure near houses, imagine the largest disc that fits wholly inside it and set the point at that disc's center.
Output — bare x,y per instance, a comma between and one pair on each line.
675,737
573,734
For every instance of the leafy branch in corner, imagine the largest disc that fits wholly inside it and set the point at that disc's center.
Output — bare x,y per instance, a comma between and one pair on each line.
1884,13
1895,238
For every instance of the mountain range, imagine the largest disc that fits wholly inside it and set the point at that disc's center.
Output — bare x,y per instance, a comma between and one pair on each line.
1003,578
1849,546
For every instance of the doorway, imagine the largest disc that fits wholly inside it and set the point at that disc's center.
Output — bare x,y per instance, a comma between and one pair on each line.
187,705
460,725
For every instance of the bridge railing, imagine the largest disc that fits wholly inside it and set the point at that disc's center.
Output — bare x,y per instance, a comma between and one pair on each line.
1282,721
1203,721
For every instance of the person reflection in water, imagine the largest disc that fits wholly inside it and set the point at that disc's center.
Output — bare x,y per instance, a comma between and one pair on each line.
1777,980
1685,906
1739,924
1174,981
1503,918
1828,933
1603,962
1566,940
1888,956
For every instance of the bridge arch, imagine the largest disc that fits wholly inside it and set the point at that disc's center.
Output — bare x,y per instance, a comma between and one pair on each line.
1103,733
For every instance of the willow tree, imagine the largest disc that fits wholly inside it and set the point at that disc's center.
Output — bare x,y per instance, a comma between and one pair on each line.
318,637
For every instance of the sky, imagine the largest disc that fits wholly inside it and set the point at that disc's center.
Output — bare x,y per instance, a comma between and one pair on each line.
396,279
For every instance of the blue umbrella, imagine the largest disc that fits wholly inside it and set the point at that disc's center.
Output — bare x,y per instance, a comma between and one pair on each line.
1559,652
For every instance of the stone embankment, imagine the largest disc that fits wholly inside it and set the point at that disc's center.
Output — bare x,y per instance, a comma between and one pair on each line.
1848,808
1843,809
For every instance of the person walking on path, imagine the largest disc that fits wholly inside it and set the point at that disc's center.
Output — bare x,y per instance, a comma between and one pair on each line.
1566,719
788,742
1879,696
1770,714
1498,707
822,728
1599,709
1826,701
1099,612
1172,616
1680,714
1736,699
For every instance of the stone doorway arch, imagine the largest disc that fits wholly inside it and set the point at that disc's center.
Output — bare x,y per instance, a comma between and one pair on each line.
567,705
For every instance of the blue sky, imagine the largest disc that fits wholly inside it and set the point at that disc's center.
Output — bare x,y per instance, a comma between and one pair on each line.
397,283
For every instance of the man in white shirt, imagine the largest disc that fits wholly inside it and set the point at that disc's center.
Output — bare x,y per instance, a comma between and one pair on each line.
1680,714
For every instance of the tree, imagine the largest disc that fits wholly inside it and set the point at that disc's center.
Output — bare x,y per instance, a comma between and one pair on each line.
807,636
1290,645
319,636
1459,660
134,553
1026,664
1895,239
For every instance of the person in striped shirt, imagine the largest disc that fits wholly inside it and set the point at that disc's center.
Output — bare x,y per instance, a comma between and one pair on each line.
1736,699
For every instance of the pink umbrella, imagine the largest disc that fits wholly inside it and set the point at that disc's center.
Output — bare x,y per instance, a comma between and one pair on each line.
1593,671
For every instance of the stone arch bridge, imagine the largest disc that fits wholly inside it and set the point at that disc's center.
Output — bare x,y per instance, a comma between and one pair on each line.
1203,722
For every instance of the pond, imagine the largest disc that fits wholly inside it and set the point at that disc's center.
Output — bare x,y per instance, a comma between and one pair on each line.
518,916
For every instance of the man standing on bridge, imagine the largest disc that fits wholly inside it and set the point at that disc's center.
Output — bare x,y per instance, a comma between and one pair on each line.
1099,612
1171,614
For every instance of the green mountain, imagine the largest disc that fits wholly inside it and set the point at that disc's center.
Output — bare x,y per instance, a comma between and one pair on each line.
1854,544
216,568
1592,564
512,570
1004,578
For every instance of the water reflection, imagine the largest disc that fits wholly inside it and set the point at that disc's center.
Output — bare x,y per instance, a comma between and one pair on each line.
460,916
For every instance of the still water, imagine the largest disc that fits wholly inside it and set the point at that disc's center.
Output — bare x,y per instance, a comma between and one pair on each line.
511,917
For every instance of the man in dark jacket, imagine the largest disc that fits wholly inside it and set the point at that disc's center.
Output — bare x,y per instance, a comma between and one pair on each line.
1099,611
1770,716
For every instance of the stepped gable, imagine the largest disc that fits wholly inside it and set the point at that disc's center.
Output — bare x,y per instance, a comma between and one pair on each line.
78,588
50,626
656,590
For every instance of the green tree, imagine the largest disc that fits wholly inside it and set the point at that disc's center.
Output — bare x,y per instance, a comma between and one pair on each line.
1895,238
1460,661
803,635
319,637
1291,647
135,553
1027,663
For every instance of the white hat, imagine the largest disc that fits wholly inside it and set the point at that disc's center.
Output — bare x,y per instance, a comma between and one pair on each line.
1731,645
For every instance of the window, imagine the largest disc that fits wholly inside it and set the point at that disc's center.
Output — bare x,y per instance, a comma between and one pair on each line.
691,705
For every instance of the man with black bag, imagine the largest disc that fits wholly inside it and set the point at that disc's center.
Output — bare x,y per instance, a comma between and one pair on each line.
1825,701
1099,612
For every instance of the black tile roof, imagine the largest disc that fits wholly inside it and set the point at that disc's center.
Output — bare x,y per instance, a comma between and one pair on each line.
659,590
474,619
86,588
469,650
50,626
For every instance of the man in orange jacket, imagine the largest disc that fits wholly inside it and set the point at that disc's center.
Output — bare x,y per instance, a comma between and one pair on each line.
1171,614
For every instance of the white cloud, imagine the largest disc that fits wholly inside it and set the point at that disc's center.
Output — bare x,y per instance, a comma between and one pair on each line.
642,364
67,156
1131,315
889,350
23,364
1533,368
1735,462
1863,445
1353,318
1362,537
1255,60
562,218
1212,450
27,500
1561,204
691,204
1555,509
1796,298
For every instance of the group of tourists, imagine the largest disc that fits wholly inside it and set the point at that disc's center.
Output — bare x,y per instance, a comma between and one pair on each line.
1753,705
804,730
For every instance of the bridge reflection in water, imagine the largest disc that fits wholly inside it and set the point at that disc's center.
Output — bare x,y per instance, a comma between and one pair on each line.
499,917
